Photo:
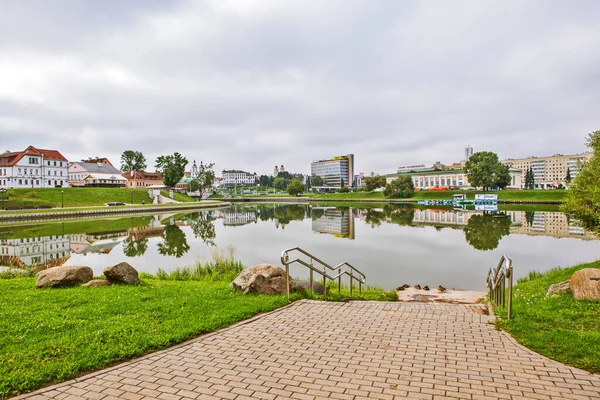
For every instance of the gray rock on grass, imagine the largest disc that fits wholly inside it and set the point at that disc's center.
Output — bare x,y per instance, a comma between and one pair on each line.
263,279
583,287
558,288
121,273
64,276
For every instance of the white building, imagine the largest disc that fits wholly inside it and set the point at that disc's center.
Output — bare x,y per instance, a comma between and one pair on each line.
456,179
549,172
95,174
336,172
236,177
36,250
33,168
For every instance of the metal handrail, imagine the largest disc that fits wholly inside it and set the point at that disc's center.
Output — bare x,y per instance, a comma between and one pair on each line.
285,260
496,282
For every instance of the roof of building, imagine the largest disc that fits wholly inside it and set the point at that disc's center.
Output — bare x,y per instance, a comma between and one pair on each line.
97,160
237,171
155,176
114,177
93,168
11,158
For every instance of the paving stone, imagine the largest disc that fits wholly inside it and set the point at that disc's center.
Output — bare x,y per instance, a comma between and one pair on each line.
356,350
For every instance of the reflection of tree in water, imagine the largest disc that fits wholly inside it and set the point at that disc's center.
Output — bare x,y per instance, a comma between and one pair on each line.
529,217
175,242
316,213
484,232
291,212
135,248
203,227
391,214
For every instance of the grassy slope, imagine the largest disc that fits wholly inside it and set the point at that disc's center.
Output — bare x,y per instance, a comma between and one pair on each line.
562,329
51,335
178,196
75,197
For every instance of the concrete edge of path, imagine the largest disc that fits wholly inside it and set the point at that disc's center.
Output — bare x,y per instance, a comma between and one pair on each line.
533,353
85,376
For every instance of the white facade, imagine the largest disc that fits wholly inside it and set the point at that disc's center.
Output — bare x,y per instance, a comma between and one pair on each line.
95,174
37,250
33,168
236,177
450,179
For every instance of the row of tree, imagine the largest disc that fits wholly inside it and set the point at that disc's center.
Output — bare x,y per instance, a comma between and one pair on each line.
171,168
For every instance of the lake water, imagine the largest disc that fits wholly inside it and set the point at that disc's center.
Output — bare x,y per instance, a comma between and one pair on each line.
391,244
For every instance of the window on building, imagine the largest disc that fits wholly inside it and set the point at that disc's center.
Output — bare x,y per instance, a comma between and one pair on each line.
55,163
48,162
20,182
19,170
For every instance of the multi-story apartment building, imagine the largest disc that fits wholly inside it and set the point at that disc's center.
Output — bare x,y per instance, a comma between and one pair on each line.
236,177
335,172
549,172
450,179
33,168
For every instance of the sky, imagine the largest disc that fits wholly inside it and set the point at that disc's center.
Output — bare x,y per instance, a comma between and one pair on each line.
250,84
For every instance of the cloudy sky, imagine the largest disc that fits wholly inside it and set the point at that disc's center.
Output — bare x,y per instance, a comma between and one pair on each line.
249,84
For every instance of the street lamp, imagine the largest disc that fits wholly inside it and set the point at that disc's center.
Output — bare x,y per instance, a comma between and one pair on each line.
62,198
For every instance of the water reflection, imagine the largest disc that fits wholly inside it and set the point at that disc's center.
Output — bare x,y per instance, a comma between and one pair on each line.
176,235
338,222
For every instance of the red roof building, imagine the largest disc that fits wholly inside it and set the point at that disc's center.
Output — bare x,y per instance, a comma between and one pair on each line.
33,168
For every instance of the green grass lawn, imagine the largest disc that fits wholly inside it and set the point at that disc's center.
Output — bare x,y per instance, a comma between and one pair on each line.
561,328
74,197
184,198
51,335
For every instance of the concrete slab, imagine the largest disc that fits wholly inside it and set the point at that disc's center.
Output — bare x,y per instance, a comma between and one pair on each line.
433,296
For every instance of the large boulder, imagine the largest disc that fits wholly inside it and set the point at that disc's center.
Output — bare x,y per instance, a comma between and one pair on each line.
121,273
583,287
263,279
64,276
559,288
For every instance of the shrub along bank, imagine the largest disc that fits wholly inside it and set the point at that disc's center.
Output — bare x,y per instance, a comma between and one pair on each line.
561,328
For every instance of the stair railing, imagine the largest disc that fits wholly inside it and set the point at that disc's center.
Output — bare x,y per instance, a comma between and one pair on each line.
496,282
322,268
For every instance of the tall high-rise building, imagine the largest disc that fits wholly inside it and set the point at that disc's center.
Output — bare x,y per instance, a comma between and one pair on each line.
335,172
468,152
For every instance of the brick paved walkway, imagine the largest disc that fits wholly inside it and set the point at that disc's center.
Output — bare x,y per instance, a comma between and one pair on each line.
356,350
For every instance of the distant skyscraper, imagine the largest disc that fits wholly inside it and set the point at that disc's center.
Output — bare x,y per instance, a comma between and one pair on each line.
468,152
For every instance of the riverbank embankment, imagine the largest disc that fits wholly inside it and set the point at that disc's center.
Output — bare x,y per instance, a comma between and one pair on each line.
308,200
91,212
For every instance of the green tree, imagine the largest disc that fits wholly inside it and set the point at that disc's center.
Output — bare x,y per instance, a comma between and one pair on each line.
568,176
174,242
529,179
374,181
295,187
316,180
484,232
280,183
264,180
484,169
172,168
285,175
402,187
133,161
583,199
205,179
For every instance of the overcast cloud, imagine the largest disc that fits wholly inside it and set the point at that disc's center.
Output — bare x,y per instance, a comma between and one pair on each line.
249,84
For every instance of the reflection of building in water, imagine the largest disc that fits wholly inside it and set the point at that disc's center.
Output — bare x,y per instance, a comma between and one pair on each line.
35,251
339,223
103,244
236,217
440,216
547,223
